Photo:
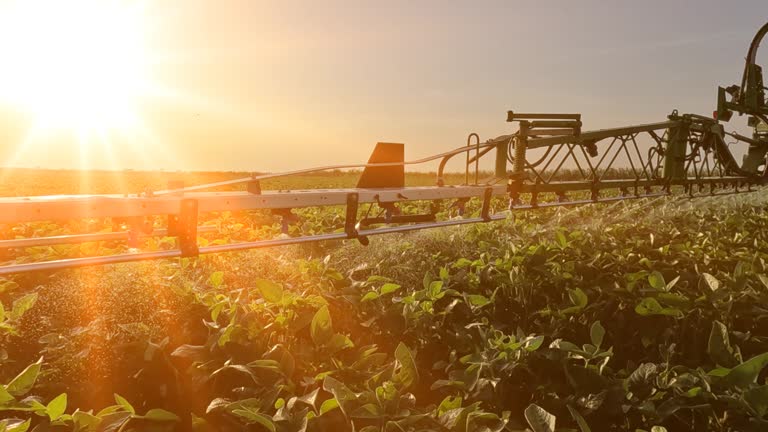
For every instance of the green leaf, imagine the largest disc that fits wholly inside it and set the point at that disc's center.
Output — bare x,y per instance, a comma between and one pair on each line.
641,381
426,281
216,311
658,429
328,405
124,403
271,291
279,403
339,342
19,426
710,281
449,403
369,296
672,283
444,273
651,306
463,262
757,398
389,288
367,411
579,420
764,280
596,333
84,421
216,279
719,372
746,373
2,312
24,381
160,415
310,398
281,354
268,364
674,300
534,343
342,394
4,395
656,280
57,406
719,346
564,345
561,240
255,417
321,328
113,421
7,285
408,374
693,392
22,305
539,419
435,288
478,300
578,297
191,352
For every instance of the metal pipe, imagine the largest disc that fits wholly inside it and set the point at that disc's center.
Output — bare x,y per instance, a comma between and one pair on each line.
272,243
84,238
479,154
752,55
743,138
571,124
466,166
87,262
512,116
476,159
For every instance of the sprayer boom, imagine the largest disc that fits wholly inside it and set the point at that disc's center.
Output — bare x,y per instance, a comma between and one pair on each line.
548,161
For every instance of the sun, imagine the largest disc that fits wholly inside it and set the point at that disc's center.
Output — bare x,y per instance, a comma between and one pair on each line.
76,65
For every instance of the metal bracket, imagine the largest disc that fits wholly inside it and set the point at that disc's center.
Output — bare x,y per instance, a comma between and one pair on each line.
460,205
253,187
184,227
485,212
595,192
350,221
286,218
137,227
534,202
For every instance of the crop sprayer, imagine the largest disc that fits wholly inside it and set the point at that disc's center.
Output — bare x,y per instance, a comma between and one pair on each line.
685,154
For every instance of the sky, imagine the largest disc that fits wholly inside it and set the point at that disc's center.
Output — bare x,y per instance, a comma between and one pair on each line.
268,86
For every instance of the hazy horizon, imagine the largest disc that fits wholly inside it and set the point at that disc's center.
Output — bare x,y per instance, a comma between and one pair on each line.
259,86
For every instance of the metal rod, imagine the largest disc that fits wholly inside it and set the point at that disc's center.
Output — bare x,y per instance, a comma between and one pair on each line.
272,243
84,238
521,145
556,123
543,132
87,262
743,138
477,152
513,116
477,159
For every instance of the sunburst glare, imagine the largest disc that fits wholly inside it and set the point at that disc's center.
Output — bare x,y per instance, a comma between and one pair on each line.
78,69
